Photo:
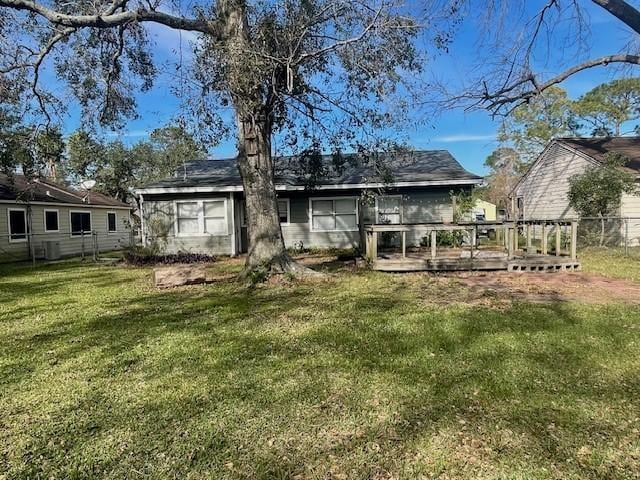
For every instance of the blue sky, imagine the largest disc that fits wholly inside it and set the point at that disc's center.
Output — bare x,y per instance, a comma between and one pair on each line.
469,136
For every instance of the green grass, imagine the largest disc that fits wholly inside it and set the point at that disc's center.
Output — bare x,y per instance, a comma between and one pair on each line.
612,262
365,376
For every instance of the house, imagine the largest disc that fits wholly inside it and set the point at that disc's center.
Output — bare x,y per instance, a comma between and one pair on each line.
484,210
542,193
49,220
322,205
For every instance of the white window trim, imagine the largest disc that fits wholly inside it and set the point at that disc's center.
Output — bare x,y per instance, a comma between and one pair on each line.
112,231
71,226
311,199
288,222
44,219
389,196
200,203
26,225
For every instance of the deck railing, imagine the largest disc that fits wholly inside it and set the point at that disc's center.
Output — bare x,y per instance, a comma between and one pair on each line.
510,232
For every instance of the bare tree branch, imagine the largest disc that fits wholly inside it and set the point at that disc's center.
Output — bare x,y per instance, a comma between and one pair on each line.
623,11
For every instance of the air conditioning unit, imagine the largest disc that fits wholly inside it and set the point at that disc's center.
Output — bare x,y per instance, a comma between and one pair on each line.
52,250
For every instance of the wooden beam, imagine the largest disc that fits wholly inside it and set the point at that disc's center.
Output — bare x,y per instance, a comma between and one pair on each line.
544,239
574,240
433,244
510,243
404,244
529,238
558,239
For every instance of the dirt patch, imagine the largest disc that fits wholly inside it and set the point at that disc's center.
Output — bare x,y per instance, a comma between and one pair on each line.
544,287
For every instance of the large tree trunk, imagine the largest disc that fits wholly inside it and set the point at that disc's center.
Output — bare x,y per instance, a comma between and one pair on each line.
267,252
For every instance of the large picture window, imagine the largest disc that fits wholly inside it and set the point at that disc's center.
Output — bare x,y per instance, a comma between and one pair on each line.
17,224
202,217
334,214
388,209
80,223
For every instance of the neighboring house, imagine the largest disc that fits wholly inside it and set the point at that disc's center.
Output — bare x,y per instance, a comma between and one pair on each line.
542,193
484,210
52,220
202,208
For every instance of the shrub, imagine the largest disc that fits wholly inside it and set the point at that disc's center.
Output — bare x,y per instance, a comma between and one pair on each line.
140,256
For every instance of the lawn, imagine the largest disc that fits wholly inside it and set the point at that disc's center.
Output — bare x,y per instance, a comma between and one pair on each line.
364,376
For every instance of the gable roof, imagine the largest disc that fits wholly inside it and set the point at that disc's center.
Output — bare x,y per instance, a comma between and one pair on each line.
18,187
348,170
597,148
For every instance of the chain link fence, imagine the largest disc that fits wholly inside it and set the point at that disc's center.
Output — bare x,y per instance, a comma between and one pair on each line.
621,233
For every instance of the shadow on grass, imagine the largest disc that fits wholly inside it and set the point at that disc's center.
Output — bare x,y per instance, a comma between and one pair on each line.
355,375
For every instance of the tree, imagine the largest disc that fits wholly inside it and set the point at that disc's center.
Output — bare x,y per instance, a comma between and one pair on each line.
33,151
505,168
530,127
298,67
597,192
610,105
558,34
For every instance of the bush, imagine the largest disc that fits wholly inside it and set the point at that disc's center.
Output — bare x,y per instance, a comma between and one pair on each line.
140,256
445,238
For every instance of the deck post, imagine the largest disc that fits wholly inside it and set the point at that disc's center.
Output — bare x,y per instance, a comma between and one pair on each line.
529,239
510,243
374,246
558,239
404,244
516,244
574,240
544,238
433,244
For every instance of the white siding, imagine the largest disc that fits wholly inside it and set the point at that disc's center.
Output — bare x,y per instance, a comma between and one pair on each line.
630,207
545,187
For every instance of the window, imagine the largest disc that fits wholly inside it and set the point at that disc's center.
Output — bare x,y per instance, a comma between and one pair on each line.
389,209
80,223
188,217
283,211
51,221
334,214
17,224
520,207
215,218
111,222
202,217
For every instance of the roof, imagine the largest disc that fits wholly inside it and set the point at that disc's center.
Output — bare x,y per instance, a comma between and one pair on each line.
18,187
597,148
437,166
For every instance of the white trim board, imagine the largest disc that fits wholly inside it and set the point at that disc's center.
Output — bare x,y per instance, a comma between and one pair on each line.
68,205
44,219
26,225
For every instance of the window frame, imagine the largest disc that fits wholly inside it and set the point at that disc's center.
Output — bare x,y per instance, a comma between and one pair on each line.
224,217
115,215
44,219
288,222
333,199
26,224
401,212
200,202
90,231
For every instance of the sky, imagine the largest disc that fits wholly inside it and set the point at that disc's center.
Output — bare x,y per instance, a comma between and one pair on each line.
469,135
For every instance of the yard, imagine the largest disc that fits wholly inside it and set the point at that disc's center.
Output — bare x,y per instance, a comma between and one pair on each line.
365,375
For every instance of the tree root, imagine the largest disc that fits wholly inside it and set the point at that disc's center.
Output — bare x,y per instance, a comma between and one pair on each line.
259,272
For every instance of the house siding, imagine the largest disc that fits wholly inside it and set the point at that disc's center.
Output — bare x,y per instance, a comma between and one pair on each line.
545,187
159,226
69,246
630,207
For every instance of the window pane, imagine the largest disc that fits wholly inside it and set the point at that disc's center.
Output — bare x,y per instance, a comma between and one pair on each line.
80,222
189,225
283,211
51,221
188,210
214,209
346,222
393,218
389,204
111,222
324,222
17,224
215,226
322,206
346,205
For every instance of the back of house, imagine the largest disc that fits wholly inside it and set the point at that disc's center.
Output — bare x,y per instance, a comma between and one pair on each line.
44,219
542,193
323,201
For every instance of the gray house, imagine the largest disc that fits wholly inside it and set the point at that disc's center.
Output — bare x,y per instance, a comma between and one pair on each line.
42,218
541,194
321,205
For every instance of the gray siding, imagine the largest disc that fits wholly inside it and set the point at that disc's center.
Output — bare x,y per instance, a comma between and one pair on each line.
545,187
69,245
159,226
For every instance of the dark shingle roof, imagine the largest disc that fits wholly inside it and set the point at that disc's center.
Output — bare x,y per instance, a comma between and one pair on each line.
18,187
597,148
347,169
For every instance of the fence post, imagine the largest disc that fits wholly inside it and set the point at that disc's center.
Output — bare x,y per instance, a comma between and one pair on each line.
529,239
82,244
574,240
96,248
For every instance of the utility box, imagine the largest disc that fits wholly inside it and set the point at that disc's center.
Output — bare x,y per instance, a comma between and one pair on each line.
52,250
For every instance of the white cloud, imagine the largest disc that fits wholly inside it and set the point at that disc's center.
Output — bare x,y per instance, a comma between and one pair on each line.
465,137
